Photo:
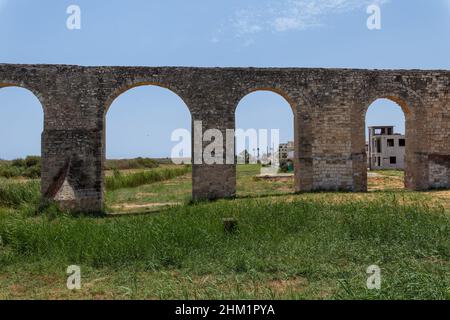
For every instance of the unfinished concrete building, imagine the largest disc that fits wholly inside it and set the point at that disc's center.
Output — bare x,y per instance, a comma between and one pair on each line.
386,149
329,107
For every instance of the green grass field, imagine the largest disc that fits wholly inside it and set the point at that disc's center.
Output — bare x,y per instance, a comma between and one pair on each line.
287,246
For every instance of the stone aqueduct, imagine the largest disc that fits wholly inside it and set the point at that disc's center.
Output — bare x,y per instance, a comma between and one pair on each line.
329,107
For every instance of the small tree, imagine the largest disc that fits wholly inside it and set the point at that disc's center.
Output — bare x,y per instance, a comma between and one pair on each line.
246,156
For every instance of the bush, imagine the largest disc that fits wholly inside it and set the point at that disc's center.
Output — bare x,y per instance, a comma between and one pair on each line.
33,172
18,163
283,167
30,167
32,161
9,171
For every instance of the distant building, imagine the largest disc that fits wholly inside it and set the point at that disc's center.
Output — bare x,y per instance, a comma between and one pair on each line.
286,152
385,149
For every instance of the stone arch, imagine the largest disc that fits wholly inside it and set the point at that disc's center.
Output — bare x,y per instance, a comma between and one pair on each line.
291,102
141,83
125,88
277,91
412,106
39,97
294,100
407,111
295,108
122,90
407,99
36,93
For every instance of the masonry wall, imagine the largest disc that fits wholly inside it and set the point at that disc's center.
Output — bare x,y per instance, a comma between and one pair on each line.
329,107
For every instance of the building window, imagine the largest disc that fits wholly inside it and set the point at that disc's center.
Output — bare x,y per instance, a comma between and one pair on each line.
390,142
401,142
378,146
393,160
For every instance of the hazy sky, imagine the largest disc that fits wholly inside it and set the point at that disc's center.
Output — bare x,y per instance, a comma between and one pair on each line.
261,33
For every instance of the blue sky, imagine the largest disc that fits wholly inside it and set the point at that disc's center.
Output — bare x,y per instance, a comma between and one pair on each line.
260,33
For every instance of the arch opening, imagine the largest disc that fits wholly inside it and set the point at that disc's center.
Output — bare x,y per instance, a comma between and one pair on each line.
147,150
21,128
386,138
265,146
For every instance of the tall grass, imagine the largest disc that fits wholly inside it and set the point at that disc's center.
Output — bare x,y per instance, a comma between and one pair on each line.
119,180
14,194
125,164
315,240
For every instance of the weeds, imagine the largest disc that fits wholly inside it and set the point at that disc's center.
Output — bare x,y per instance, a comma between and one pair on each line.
126,164
30,167
15,194
318,241
119,180
312,246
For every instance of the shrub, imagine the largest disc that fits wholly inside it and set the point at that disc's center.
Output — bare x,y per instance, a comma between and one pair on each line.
9,171
33,172
18,163
32,161
283,167
29,167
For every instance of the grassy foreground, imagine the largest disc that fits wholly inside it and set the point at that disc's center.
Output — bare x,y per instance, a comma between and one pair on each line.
17,194
308,246
301,249
155,196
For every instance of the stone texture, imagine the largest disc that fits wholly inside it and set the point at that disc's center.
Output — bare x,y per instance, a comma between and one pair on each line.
329,108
